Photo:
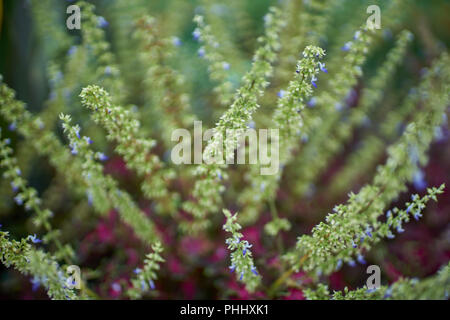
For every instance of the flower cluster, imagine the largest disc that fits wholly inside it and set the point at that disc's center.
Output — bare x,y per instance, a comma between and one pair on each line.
324,112
435,288
208,187
370,98
218,67
241,257
362,210
102,188
30,261
27,196
146,277
123,128
373,146
166,99
94,40
288,120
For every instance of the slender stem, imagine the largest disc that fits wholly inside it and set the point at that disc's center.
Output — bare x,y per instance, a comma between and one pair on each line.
274,212
285,276
273,209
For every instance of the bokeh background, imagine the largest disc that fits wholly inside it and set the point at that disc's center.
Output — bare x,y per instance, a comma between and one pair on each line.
196,266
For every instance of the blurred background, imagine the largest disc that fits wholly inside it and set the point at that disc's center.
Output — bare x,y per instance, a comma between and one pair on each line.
197,266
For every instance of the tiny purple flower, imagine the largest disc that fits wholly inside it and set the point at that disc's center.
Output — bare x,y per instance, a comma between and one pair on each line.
322,67
18,199
388,293
72,50
176,42
137,270
246,246
281,93
196,34
201,52
34,239
14,187
417,215
312,102
347,46
116,287
313,81
102,23
419,180
35,284
102,156
360,259
369,232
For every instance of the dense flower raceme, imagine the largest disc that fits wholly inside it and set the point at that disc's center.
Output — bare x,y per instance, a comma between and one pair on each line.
370,98
123,128
164,86
88,179
288,119
145,278
42,267
27,196
208,187
103,188
435,288
241,257
347,224
218,67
